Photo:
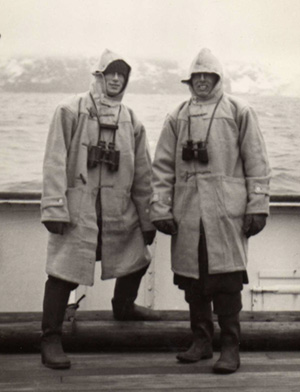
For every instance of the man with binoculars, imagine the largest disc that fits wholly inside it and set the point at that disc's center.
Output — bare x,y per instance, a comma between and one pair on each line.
95,202
211,193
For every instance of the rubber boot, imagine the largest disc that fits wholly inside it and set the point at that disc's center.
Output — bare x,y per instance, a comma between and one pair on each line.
125,293
229,360
56,298
203,328
53,355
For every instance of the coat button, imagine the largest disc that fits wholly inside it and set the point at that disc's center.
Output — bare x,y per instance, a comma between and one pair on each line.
60,201
258,189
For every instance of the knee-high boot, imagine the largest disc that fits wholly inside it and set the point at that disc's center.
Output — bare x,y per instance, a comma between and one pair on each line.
203,328
125,293
56,298
229,360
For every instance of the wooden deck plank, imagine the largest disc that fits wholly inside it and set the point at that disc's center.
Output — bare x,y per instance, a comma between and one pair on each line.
181,382
176,369
30,362
142,359
189,381
120,372
92,388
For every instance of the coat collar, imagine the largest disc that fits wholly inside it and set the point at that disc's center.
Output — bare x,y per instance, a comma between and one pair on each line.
98,91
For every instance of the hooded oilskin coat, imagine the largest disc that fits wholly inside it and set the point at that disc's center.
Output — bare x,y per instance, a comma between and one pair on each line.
71,189
235,181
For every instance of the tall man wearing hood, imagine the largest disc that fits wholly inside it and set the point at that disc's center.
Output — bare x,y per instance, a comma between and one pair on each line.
211,193
95,202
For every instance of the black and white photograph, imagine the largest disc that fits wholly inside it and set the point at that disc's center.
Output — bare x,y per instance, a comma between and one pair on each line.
149,195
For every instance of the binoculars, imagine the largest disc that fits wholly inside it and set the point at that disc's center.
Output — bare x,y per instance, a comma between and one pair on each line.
104,153
195,150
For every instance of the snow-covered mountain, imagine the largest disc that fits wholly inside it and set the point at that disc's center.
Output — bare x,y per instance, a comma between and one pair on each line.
258,79
149,76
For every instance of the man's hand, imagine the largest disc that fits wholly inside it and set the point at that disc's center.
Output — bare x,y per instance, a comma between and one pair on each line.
55,227
253,224
167,226
149,236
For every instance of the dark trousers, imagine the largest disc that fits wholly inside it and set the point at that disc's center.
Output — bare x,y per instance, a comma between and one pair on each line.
127,286
56,297
57,293
223,290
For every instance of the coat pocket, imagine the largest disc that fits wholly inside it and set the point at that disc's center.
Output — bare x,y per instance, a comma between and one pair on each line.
235,196
114,202
74,198
130,213
186,205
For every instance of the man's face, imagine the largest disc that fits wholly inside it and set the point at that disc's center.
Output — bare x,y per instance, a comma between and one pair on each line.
203,83
114,83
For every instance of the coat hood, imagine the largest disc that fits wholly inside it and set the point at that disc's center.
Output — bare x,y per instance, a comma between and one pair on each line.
205,61
107,59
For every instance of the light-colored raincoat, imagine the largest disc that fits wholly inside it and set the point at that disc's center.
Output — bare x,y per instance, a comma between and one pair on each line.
235,181
70,189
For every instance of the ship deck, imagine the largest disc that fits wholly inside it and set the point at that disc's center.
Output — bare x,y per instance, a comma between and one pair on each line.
108,355
141,356
150,371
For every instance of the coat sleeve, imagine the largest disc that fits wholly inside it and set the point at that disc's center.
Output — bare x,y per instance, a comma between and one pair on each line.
164,173
141,186
256,164
54,203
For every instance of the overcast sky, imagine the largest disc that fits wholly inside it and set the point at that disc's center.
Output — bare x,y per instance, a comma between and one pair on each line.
256,30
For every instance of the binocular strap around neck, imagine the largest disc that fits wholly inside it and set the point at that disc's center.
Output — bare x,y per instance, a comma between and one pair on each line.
102,125
210,122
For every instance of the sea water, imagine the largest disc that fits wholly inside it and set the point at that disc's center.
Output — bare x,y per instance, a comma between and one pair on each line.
25,118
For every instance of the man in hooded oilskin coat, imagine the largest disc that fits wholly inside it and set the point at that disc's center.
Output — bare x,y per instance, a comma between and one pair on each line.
95,202
211,193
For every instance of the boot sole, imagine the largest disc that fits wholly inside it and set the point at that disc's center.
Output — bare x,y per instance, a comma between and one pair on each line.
136,318
65,365
193,360
225,370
